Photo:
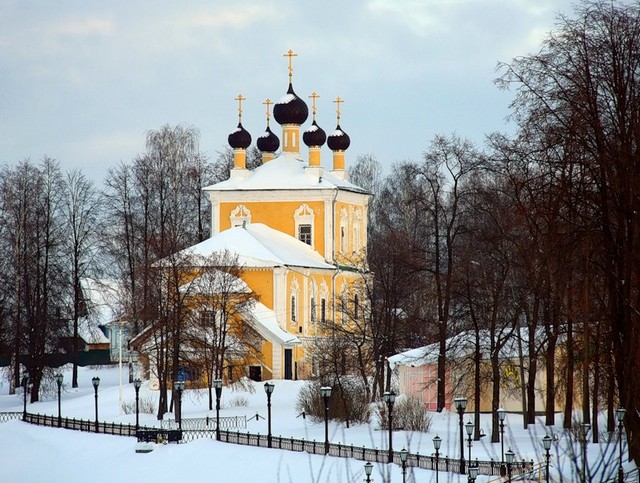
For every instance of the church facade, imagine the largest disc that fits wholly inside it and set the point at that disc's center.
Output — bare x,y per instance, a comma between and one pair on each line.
299,231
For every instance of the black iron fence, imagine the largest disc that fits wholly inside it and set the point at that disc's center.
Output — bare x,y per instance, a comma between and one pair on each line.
201,428
4,417
207,423
376,455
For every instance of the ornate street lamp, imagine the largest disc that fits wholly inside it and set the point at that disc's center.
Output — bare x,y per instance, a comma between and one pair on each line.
368,468
404,454
217,384
25,386
268,389
620,412
437,441
546,443
473,473
325,391
96,382
136,385
502,413
509,455
179,386
461,404
390,398
469,428
59,379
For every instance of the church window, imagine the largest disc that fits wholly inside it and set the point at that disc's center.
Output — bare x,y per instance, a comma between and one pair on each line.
357,221
295,290
343,230
323,310
356,306
304,218
293,308
241,216
313,309
304,234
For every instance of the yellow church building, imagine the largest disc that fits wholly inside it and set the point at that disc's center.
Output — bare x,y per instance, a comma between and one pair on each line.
298,229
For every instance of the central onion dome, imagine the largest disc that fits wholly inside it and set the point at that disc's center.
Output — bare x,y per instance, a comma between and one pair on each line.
314,136
290,109
338,140
268,142
240,138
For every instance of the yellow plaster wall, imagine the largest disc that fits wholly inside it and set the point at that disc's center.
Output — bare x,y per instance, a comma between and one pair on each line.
279,215
351,254
261,282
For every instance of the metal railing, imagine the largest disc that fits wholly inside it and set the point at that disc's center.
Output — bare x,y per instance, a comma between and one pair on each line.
8,416
207,423
199,430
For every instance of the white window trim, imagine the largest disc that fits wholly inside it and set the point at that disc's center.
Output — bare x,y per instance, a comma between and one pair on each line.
240,216
304,215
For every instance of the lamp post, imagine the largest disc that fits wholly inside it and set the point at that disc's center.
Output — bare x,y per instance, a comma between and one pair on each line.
501,417
585,432
473,473
620,412
546,443
25,384
437,441
368,468
510,455
390,398
469,428
59,379
96,382
136,385
179,385
217,384
404,454
268,389
461,405
325,391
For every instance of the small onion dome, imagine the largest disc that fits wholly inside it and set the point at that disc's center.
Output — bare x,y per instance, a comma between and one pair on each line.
240,138
314,136
268,142
290,109
338,140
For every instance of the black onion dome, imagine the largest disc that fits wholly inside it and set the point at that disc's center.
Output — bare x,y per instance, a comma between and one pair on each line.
290,109
338,140
240,138
268,142
314,136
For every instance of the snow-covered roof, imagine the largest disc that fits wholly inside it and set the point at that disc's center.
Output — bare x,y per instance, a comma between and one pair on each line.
215,282
285,172
101,298
464,344
264,320
258,245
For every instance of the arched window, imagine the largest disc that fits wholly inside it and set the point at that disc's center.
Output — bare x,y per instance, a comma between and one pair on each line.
356,307
357,223
344,221
295,290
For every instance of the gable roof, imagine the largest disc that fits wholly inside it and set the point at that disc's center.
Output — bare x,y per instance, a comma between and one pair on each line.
258,245
286,172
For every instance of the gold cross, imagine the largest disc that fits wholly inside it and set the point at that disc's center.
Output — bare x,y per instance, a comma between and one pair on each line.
314,96
240,99
338,101
268,102
290,54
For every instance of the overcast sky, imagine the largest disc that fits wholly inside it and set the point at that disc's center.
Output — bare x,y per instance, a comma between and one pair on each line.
84,81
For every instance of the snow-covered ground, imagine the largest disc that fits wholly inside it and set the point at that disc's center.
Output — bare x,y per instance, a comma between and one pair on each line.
31,453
